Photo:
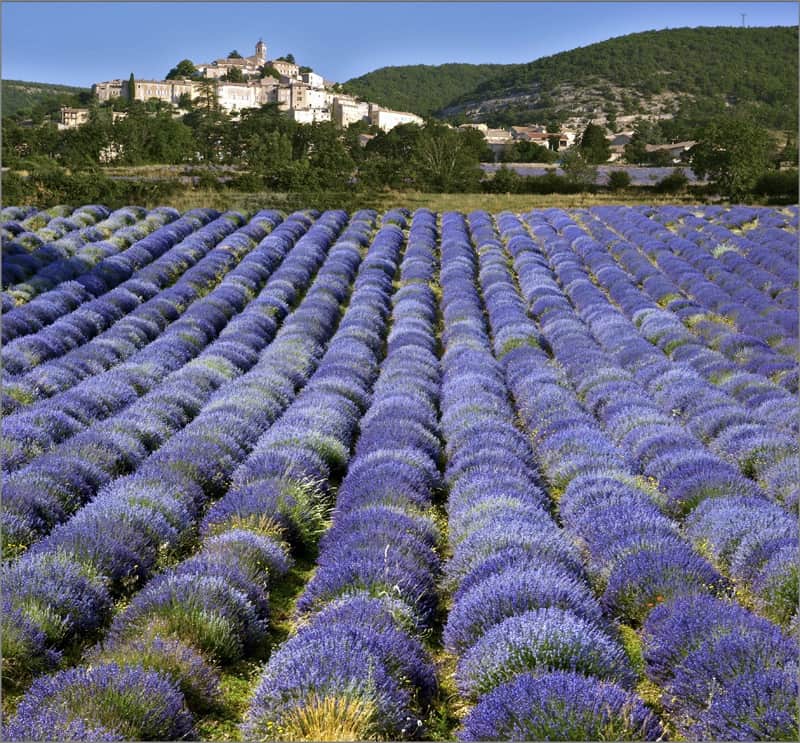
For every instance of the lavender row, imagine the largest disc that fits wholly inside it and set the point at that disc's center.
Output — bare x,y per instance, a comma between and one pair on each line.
68,286
651,441
77,327
767,244
199,263
127,533
356,667
636,554
743,348
132,224
230,575
534,650
27,253
679,260
719,329
766,452
91,317
728,252
128,225
761,452
56,484
765,398
25,256
38,427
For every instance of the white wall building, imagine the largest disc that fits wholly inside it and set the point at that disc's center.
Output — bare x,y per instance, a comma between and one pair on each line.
310,115
386,120
313,80
72,118
347,110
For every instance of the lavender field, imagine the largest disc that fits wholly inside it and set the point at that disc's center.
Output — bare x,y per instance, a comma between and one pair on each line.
400,476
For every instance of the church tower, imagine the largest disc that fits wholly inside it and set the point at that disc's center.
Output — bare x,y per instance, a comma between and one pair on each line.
261,51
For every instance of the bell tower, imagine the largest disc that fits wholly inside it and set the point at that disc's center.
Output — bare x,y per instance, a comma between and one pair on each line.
261,51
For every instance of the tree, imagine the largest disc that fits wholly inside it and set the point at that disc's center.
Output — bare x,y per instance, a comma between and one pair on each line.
268,70
675,182
184,68
234,55
131,88
445,161
594,146
233,75
305,69
529,152
185,101
577,169
207,97
330,162
733,153
644,133
505,180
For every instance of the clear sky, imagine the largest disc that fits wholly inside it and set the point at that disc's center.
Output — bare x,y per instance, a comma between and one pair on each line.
82,43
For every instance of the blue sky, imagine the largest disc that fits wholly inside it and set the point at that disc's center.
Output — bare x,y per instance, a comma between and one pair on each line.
81,43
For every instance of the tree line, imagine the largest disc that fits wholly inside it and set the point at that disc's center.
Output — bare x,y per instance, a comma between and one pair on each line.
264,150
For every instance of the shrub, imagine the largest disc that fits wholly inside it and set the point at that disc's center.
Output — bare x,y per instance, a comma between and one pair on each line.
619,180
675,182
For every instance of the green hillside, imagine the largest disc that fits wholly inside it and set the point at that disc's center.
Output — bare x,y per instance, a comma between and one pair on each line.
423,89
700,69
18,95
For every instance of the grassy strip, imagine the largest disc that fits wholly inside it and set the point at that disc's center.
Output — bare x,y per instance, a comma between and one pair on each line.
237,682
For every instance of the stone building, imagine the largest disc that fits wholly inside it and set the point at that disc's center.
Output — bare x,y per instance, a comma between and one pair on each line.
249,66
72,118
346,110
107,90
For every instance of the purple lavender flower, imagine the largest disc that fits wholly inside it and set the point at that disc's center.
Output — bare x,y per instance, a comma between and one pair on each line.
331,680
645,578
512,592
539,641
171,658
757,706
108,700
560,706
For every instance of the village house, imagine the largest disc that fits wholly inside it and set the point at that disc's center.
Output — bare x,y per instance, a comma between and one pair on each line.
72,118
676,150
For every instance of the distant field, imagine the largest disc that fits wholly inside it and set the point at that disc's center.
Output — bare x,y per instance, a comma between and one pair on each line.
640,176
507,473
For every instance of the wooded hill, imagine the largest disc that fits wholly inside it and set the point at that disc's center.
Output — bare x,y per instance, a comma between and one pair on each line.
423,89
18,95
697,71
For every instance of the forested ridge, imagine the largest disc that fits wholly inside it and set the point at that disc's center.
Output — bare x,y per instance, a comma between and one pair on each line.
708,68
423,89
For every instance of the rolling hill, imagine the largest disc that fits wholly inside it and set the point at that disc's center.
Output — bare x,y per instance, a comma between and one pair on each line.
696,70
423,89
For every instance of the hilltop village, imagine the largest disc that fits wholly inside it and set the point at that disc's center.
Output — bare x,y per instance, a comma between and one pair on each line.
249,82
